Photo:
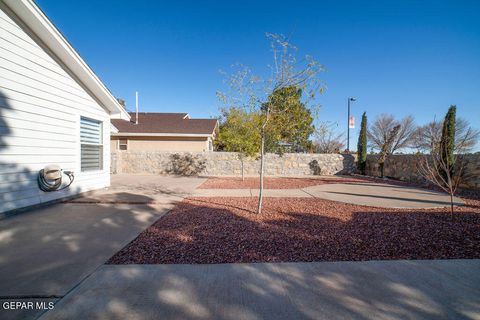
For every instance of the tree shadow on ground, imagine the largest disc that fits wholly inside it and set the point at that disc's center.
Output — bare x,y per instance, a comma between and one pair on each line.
18,174
435,202
223,231
380,290
46,251
465,193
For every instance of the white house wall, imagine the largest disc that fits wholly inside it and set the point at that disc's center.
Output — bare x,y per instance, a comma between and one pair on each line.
40,109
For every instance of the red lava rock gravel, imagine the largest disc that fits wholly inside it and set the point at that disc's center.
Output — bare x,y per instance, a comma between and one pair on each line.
271,183
226,230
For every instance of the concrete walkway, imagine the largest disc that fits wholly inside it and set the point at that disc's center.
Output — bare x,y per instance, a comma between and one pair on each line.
361,193
143,189
448,289
46,252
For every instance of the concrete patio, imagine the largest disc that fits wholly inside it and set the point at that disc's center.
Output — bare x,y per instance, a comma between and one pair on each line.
361,193
46,252
448,289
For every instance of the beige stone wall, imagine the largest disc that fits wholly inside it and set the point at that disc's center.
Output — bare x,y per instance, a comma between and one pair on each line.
401,167
145,145
113,145
167,144
405,168
229,164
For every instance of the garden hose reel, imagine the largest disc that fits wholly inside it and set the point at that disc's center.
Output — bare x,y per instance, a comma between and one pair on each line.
50,178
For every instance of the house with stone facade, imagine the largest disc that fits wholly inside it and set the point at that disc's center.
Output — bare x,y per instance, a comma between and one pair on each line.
172,132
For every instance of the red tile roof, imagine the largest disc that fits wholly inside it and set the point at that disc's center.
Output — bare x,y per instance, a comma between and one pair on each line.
153,122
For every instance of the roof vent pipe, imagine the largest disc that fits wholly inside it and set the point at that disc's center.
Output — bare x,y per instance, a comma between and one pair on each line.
136,107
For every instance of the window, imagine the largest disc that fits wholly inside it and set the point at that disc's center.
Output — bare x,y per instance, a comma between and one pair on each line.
91,145
123,144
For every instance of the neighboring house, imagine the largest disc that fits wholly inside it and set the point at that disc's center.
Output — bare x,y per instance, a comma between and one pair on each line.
53,110
163,132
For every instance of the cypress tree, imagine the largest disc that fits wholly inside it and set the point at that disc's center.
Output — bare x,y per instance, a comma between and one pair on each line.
362,145
447,143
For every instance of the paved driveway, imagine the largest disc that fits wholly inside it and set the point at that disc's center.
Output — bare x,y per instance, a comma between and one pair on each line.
45,252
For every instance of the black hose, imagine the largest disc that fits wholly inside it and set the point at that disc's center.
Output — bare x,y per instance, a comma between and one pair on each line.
46,186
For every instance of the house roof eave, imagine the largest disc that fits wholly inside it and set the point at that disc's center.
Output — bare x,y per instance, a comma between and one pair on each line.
38,24
130,134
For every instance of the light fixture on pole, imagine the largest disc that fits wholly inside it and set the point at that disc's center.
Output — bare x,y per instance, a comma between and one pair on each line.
350,123
136,107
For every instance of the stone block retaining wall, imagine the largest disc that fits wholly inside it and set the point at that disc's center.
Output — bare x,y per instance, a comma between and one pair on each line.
229,164
401,167
405,168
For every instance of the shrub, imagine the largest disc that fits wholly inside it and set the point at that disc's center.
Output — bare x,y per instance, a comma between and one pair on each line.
186,165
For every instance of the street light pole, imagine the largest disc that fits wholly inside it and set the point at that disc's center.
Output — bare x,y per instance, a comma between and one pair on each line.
348,123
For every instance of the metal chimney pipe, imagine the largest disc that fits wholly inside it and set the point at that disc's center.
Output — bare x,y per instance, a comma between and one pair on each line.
136,107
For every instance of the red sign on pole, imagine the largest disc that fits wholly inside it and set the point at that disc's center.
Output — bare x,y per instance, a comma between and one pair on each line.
351,122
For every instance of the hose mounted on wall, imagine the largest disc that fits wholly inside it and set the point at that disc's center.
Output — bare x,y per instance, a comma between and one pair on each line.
50,178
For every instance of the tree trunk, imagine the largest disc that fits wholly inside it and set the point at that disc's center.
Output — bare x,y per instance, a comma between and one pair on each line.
381,169
262,161
451,202
243,172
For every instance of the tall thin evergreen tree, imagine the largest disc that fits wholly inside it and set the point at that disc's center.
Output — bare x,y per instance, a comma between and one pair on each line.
362,145
447,142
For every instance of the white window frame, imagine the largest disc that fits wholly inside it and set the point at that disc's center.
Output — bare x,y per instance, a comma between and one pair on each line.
120,144
91,143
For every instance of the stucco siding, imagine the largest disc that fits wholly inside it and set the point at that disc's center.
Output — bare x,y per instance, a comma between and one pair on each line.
170,144
113,145
40,108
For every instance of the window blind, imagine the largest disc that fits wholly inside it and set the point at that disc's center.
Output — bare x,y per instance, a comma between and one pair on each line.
91,144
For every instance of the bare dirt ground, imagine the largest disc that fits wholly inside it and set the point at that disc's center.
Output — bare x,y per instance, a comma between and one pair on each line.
227,230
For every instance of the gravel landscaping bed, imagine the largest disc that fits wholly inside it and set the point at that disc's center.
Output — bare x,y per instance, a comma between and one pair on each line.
271,183
226,230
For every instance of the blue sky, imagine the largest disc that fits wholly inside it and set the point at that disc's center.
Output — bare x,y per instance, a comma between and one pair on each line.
399,57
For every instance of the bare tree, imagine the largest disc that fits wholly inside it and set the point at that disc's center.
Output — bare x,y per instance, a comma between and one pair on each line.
327,139
379,131
427,137
386,147
447,175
